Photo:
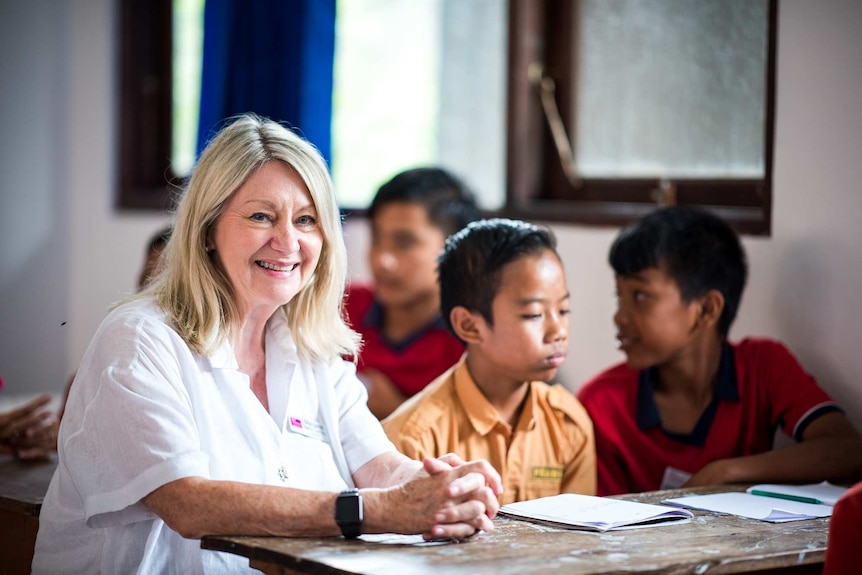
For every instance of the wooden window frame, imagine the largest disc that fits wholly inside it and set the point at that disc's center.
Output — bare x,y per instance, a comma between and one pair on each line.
146,107
537,188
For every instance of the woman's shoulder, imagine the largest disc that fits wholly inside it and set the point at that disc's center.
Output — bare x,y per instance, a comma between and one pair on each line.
134,313
136,333
133,322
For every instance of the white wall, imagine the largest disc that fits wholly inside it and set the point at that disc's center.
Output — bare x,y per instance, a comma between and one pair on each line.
66,254
34,224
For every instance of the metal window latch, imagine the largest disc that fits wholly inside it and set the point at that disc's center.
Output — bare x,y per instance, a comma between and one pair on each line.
547,92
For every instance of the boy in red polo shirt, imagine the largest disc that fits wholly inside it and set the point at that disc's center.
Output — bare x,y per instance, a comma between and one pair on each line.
405,343
688,407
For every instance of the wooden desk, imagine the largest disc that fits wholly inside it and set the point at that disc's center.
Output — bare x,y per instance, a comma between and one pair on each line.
709,544
23,485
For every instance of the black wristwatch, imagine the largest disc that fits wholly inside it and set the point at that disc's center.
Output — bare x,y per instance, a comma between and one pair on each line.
348,513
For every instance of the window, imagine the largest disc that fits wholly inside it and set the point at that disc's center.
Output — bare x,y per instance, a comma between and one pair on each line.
427,86
644,103
652,103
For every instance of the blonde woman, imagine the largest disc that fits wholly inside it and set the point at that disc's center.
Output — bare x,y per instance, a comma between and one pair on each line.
216,402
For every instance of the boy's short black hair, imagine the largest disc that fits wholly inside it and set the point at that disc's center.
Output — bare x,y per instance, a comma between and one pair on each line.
449,203
472,262
699,250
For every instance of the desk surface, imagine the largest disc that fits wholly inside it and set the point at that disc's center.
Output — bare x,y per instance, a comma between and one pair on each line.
711,543
23,484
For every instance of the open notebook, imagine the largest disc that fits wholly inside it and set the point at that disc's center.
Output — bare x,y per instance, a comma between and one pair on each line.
769,502
572,511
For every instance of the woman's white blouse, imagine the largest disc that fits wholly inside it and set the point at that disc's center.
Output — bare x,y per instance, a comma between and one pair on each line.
145,410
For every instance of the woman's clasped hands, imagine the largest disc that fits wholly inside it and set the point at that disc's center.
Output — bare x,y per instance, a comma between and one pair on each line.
447,498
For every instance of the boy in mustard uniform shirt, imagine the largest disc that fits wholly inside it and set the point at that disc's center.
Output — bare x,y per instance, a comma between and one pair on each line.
503,293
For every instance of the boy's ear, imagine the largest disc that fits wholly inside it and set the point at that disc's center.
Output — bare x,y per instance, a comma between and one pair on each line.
711,308
464,324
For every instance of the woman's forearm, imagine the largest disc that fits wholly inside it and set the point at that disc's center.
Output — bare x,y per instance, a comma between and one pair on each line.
195,507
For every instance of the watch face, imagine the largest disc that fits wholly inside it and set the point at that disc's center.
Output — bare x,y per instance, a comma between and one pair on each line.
348,508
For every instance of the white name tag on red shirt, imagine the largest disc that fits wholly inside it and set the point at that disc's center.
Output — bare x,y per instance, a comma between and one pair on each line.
674,478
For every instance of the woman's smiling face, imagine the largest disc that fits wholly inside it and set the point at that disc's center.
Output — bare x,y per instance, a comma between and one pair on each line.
268,240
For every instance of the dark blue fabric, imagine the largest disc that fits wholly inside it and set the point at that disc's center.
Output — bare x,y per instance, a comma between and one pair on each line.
822,410
270,57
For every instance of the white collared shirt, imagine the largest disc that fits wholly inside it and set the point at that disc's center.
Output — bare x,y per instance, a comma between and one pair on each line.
145,410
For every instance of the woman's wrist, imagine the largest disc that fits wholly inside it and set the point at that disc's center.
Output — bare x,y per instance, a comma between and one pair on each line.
374,509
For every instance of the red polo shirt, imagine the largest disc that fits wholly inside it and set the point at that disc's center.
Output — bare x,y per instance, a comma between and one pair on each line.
410,364
760,387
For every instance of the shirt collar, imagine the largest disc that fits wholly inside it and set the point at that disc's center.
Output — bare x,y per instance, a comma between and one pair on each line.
224,358
374,318
278,335
482,415
726,388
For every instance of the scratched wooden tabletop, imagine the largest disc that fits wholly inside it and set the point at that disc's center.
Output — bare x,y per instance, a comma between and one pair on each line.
710,544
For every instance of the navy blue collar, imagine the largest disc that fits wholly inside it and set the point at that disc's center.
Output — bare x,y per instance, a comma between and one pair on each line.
374,318
726,389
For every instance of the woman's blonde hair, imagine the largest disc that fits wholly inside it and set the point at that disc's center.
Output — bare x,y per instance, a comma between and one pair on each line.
197,295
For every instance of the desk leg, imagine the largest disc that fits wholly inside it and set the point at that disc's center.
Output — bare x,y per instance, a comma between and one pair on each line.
17,541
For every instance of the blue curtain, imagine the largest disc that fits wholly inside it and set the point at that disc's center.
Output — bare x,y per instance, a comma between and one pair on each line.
271,57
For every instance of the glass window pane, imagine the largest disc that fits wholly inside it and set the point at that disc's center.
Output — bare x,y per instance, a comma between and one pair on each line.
187,61
472,123
671,89
385,100
419,82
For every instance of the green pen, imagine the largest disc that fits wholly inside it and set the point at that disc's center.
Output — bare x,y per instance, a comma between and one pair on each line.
799,498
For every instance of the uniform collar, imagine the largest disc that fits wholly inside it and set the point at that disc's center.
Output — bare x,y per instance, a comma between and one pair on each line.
374,319
726,389
481,414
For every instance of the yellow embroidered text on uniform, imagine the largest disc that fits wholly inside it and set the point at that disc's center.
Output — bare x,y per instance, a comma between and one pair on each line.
546,472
